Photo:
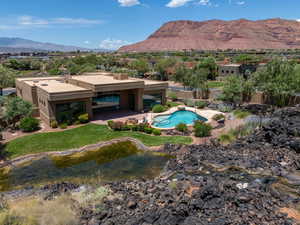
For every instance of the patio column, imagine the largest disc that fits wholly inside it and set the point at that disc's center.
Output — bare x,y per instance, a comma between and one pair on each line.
124,99
89,109
139,106
164,97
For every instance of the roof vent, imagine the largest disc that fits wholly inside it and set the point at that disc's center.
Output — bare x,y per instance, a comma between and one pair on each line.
35,81
44,85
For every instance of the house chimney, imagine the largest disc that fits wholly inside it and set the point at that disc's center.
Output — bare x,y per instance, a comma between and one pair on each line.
121,76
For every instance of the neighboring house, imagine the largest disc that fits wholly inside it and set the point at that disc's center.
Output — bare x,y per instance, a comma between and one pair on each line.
229,69
60,98
238,69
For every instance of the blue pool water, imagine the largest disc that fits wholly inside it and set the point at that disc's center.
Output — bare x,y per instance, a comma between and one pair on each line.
172,120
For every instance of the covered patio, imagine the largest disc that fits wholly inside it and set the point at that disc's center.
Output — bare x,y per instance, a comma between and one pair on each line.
118,115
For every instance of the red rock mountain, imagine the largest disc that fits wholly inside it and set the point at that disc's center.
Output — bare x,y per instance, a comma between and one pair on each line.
219,34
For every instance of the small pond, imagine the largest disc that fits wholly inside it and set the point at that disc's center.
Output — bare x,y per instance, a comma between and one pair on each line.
172,120
113,162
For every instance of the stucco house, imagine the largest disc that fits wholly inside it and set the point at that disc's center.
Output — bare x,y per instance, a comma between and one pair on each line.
60,98
229,69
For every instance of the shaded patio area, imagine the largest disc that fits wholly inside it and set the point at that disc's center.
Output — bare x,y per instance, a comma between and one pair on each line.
117,115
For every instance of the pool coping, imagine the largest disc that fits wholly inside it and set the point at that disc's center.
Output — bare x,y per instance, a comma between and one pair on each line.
206,113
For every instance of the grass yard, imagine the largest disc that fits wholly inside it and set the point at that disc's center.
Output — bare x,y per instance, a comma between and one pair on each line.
81,136
215,84
241,114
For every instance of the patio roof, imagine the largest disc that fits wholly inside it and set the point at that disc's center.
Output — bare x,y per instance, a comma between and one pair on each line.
106,82
58,90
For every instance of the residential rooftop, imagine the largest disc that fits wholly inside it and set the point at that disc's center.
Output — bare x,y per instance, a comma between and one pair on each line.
99,79
39,78
54,86
233,65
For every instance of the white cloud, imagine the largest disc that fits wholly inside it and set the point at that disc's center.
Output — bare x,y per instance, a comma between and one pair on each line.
113,44
204,2
82,21
86,42
29,22
298,20
128,3
241,3
177,3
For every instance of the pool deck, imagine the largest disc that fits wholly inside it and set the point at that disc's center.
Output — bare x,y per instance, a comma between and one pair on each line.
207,113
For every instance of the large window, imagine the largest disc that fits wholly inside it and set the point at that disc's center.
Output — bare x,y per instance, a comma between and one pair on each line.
151,99
109,101
69,112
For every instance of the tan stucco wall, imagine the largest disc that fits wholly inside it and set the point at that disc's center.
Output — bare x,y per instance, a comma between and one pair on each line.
81,84
139,104
26,92
183,94
124,99
138,99
228,70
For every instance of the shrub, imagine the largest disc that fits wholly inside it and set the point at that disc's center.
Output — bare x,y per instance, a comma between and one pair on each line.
182,127
63,126
200,104
126,127
29,124
241,114
225,108
202,129
236,133
118,126
159,108
36,211
84,118
172,96
77,122
110,123
148,130
70,122
218,117
226,138
135,127
53,124
173,185
189,102
156,132
172,104
142,127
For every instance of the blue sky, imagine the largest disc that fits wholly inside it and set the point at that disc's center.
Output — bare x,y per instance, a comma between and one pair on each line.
112,23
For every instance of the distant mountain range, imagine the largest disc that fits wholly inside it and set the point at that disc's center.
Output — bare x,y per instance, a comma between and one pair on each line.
219,34
15,45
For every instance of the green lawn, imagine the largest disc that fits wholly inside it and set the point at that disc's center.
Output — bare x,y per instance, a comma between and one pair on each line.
215,84
81,136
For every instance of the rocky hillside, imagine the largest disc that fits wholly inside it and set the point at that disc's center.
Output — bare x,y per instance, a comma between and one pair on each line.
219,34
254,181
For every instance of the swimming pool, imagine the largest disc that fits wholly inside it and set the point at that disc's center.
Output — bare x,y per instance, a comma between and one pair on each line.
172,120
